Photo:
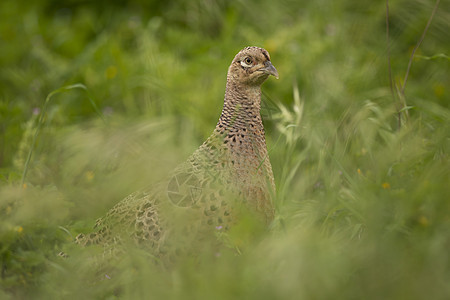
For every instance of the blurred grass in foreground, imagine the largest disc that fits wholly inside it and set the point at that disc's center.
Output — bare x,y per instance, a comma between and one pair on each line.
362,205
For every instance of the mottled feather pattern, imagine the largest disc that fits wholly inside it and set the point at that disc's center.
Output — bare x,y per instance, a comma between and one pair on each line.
231,165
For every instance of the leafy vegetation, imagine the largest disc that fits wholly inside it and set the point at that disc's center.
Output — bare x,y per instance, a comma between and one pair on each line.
109,97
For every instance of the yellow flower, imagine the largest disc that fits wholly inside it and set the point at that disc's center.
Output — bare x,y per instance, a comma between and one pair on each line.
439,90
89,175
19,229
111,72
423,221
386,185
359,171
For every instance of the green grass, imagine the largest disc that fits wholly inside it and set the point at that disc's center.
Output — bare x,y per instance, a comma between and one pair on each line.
362,190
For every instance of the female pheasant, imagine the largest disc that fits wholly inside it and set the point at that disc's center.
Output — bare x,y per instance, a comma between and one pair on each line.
229,169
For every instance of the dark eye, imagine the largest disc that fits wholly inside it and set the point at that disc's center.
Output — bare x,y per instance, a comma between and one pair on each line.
247,62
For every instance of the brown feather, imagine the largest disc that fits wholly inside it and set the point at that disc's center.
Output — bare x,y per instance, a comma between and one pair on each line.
231,165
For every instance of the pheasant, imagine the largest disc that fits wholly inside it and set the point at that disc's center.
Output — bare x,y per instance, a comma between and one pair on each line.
230,169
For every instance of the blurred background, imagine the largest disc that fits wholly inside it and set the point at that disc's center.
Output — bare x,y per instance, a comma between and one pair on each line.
132,88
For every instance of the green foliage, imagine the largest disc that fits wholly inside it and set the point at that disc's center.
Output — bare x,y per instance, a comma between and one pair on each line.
362,173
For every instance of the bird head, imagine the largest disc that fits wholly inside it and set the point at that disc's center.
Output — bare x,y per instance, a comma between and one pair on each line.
251,66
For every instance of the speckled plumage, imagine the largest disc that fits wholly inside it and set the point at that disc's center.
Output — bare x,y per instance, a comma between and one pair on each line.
231,166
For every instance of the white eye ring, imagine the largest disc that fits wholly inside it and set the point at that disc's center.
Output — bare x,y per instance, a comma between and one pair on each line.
247,62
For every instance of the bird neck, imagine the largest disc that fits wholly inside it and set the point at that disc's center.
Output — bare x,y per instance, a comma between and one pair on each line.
241,109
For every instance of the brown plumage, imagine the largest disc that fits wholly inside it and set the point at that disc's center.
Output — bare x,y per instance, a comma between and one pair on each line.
230,168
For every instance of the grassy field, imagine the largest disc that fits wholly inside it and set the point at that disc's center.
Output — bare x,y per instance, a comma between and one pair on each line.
107,98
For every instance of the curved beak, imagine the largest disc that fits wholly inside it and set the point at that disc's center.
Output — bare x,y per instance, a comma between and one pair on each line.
269,69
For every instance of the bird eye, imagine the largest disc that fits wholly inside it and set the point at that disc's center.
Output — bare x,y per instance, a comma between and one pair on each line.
247,62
